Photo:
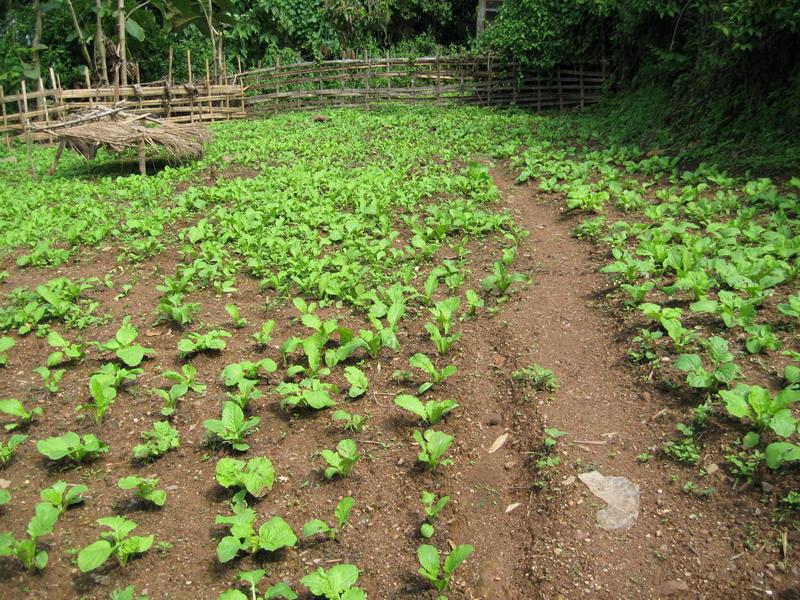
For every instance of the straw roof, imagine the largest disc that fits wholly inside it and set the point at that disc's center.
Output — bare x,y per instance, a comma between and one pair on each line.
118,130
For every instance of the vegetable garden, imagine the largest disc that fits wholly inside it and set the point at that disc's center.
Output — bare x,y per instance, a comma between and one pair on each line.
294,368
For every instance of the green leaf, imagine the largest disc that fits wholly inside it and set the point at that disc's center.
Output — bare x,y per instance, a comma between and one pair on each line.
228,547
783,423
131,356
275,534
428,557
94,555
134,29
413,405
315,527
342,512
280,590
778,453
232,595
342,577
43,521
456,557
750,440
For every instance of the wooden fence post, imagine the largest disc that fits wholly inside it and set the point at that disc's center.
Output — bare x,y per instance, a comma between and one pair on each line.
490,79
169,68
27,124
438,78
368,73
5,117
191,97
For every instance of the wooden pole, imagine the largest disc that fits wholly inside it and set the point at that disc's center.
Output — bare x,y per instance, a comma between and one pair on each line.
169,69
491,73
57,100
87,79
5,117
438,77
366,58
27,122
208,88
56,158
142,158
191,98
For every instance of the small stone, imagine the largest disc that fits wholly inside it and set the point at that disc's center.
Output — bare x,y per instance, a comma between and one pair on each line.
401,462
569,481
646,397
671,588
509,465
767,487
712,468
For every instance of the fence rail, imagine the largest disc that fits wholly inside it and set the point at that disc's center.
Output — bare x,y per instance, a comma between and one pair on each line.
311,85
472,80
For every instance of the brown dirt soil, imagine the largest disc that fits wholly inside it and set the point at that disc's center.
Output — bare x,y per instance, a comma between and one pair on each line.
546,547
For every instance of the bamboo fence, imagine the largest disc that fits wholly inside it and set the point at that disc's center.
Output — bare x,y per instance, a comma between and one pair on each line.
311,85
434,79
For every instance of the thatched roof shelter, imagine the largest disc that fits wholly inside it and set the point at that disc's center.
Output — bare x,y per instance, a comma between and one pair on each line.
85,131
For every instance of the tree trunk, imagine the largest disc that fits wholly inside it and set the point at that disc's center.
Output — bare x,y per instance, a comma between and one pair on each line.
123,52
100,45
81,41
37,37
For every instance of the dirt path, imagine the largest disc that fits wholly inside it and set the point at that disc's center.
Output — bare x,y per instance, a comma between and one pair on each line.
681,545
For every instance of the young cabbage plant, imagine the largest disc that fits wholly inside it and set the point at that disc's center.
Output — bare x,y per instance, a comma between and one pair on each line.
124,346
433,507
103,395
159,440
72,447
442,342
337,583
65,351
252,579
433,445
171,307
500,280
232,427
430,564
341,515
357,380
423,363
351,422
61,495
6,343
7,449
763,410
309,393
257,475
186,376
431,412
117,543
236,316
22,418
264,335
211,341
342,461
170,397
26,549
146,489
243,537
51,378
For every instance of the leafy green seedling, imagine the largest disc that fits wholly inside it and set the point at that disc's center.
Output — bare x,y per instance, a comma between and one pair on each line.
7,449
264,335
162,438
257,475
542,379
124,346
103,394
357,380
474,302
423,363
444,311
341,514
351,422
232,427
252,578
187,376
5,496
791,308
71,446
758,406
761,337
271,536
212,341
500,280
6,343
433,445
342,461
442,342
50,378
235,373
431,569
145,488
128,593
309,393
65,351
337,583
62,495
171,397
432,509
117,543
26,549
778,453
236,316
171,307
431,412
15,408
